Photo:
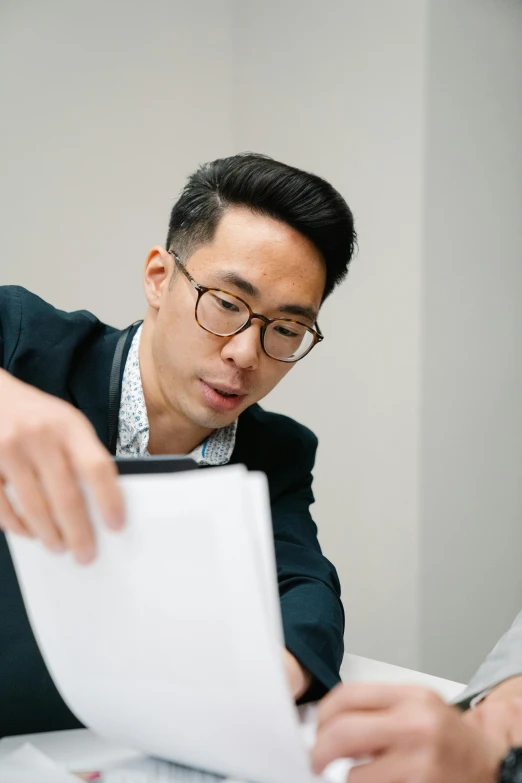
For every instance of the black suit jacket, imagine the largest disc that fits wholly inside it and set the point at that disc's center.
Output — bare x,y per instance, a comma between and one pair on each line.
70,356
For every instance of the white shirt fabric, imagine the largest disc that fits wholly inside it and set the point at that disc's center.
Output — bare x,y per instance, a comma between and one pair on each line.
133,422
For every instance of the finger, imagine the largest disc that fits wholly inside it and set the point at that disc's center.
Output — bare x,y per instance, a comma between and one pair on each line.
67,504
10,522
386,768
95,468
32,506
370,696
353,735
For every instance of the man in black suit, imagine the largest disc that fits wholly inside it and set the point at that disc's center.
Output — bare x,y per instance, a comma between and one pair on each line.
253,248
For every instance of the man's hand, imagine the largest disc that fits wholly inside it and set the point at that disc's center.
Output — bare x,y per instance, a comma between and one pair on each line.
499,716
408,734
298,678
47,449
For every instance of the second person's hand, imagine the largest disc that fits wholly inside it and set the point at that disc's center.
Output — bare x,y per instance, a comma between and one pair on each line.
406,734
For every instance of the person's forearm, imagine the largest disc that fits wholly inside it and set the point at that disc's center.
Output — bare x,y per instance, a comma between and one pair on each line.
313,632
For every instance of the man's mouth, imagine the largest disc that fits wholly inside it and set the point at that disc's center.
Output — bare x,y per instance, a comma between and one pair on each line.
224,393
222,398
227,391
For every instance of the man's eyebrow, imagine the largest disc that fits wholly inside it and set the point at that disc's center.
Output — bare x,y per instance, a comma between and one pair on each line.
301,311
239,282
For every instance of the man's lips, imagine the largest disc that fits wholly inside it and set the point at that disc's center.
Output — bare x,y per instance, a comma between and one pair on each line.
225,389
222,397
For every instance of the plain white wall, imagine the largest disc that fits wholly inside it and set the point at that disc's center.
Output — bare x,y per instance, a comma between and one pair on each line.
471,518
410,109
338,87
106,109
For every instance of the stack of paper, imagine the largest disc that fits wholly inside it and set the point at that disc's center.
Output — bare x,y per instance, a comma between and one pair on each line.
171,642
29,765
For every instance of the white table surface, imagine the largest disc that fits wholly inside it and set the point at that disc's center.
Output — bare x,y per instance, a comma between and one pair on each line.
81,749
358,669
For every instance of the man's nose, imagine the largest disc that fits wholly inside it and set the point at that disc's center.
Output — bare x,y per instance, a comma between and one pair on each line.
244,349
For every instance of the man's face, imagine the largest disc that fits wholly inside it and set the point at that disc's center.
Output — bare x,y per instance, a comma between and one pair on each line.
191,366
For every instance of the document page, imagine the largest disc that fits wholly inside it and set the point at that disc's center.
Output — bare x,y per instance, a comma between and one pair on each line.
29,765
171,642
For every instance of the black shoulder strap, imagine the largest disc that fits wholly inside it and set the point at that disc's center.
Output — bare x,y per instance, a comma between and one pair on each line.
114,389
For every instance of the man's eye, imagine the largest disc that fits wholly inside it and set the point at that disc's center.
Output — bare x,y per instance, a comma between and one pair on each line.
286,332
230,306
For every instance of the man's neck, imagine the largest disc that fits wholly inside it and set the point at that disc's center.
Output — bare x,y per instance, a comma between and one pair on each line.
169,431
165,437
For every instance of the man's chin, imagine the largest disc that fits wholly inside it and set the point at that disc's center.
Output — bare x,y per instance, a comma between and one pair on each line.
213,420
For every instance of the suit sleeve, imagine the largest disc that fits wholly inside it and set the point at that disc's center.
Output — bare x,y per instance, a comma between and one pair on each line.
309,589
503,662
10,323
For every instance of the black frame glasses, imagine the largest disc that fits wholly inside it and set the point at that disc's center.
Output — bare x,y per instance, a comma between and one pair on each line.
201,289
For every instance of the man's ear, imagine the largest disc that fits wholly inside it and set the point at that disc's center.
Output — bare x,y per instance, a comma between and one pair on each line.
156,276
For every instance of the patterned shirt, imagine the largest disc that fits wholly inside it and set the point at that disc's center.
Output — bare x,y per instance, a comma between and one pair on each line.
133,422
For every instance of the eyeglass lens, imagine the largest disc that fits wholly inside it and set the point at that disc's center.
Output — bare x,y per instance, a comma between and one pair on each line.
224,315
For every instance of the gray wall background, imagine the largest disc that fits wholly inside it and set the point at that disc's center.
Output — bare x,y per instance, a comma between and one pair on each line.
413,109
471,445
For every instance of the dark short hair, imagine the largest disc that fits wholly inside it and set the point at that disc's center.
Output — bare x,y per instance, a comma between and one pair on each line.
304,201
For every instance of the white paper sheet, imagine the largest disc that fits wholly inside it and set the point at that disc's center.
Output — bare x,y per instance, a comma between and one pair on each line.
154,771
257,500
337,771
171,641
29,765
73,750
